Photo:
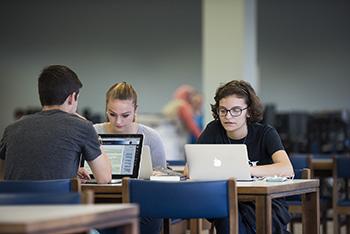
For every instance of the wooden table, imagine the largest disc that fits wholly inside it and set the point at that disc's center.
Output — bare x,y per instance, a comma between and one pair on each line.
67,218
263,193
260,192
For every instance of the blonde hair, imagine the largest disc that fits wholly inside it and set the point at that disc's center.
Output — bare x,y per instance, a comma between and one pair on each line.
121,91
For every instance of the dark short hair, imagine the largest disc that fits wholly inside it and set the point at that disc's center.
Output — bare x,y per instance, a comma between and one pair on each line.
56,83
241,89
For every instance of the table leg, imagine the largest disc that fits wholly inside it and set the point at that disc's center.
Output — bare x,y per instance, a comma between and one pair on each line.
263,215
311,212
132,227
195,226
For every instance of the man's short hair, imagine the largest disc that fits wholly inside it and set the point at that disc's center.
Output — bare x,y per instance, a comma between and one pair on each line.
56,83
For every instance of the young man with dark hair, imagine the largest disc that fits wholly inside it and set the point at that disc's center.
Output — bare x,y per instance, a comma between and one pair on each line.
50,144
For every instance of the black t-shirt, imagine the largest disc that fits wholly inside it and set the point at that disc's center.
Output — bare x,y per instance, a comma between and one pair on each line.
262,140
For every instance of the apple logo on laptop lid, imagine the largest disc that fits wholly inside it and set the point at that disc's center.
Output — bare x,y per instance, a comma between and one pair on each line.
217,162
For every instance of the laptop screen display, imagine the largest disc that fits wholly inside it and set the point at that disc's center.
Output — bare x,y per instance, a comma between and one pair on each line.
124,152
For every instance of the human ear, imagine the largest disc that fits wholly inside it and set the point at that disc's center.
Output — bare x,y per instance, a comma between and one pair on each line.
134,119
70,98
75,95
248,114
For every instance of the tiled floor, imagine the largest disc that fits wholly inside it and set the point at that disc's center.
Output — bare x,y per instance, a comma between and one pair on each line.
298,229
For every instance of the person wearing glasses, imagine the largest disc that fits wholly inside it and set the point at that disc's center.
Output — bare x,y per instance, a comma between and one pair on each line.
237,112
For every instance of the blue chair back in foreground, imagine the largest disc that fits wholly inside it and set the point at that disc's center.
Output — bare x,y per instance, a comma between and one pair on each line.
45,198
184,199
42,186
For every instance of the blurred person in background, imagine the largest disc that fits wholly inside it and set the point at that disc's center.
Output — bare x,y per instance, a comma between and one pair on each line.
197,103
185,113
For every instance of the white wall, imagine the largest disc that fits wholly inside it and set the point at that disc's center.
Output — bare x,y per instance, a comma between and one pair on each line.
304,54
229,45
155,45
303,50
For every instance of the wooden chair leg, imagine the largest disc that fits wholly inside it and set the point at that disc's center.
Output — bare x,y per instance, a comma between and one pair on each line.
291,226
348,224
324,227
195,226
335,223
324,222
166,226
212,228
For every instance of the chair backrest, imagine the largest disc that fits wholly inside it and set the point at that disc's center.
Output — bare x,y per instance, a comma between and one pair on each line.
323,155
45,198
340,171
341,166
184,199
176,162
42,186
305,173
340,195
299,162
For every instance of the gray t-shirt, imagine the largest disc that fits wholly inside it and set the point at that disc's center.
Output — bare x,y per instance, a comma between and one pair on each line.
151,138
47,145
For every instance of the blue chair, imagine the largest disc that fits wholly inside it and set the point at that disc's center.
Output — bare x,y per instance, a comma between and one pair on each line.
176,162
323,155
35,186
301,164
341,204
299,161
40,198
325,186
184,199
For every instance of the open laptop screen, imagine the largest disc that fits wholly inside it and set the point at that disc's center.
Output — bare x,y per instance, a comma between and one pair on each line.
124,152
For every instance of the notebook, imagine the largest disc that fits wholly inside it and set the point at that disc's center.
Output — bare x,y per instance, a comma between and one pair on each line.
217,161
124,152
146,168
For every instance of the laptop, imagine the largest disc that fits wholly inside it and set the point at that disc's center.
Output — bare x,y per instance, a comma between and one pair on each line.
146,168
124,152
217,162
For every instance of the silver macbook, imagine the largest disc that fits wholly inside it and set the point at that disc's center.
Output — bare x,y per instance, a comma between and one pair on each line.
217,161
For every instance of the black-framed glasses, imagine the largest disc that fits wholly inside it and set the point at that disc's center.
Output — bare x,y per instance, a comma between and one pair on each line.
234,111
